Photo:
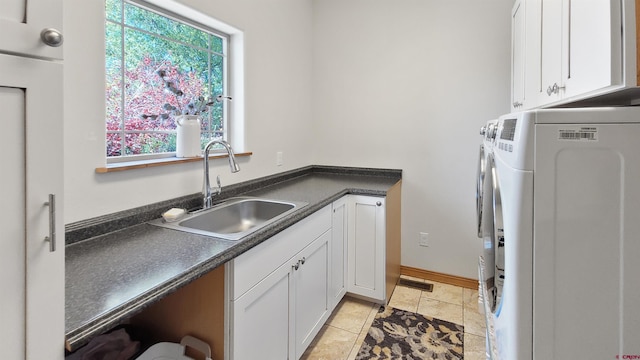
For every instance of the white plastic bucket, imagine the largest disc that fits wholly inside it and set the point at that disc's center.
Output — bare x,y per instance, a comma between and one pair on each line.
172,351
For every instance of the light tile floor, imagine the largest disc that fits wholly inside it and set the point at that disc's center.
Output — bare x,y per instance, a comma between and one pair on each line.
344,332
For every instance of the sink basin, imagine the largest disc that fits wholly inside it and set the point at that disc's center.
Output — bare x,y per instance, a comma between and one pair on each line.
234,218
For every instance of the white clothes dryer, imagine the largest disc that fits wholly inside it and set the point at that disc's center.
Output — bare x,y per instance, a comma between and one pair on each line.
566,207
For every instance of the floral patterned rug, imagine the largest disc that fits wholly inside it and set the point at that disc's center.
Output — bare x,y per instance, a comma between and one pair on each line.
398,334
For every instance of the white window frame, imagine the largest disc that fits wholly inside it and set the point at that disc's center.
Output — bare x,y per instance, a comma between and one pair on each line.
178,12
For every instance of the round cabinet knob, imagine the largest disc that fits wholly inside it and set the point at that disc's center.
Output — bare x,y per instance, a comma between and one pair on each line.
483,130
303,260
379,203
51,37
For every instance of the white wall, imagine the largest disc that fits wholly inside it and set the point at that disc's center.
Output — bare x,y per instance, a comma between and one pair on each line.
277,98
374,83
407,84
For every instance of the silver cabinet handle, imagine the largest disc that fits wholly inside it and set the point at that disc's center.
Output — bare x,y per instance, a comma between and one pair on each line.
379,203
303,260
554,89
517,104
51,37
52,222
296,266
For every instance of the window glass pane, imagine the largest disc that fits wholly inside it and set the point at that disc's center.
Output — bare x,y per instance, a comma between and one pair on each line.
146,92
217,69
113,56
212,122
217,88
216,44
114,144
149,143
216,117
206,137
152,22
113,10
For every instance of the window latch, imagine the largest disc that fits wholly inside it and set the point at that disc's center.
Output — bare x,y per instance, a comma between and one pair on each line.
221,98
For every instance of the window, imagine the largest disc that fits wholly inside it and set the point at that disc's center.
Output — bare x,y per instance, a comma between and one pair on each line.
157,64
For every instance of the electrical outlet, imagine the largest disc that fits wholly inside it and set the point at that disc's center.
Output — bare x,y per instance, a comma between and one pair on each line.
279,158
424,239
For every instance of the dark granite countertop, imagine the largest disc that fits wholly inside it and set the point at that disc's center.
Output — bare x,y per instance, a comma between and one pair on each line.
117,265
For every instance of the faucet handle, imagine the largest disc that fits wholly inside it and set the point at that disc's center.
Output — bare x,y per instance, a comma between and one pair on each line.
218,190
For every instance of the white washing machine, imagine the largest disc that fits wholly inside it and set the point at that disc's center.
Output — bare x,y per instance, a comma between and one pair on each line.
566,207
488,133
484,207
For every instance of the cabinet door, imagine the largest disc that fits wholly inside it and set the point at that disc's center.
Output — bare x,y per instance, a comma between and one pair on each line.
260,319
21,22
551,51
31,276
518,60
525,54
592,55
366,250
311,284
581,48
338,259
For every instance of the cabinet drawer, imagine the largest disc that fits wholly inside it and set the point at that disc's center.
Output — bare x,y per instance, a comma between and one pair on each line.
249,268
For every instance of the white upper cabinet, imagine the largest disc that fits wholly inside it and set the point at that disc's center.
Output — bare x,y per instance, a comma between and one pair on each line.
570,50
28,25
525,54
518,65
592,46
551,51
31,186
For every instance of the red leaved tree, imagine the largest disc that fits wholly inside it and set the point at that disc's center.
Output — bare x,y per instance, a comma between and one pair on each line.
148,127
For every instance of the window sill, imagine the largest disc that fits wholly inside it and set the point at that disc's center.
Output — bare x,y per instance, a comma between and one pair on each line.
141,164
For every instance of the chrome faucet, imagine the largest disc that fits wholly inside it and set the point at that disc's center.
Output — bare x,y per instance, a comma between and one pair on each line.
207,192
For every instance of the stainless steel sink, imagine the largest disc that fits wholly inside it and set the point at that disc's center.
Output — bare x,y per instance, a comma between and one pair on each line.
234,218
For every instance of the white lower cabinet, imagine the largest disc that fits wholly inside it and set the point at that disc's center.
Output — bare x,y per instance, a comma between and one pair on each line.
280,316
366,247
261,319
276,311
338,258
310,287
281,292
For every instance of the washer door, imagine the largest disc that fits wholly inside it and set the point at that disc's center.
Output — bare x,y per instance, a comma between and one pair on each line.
488,246
497,233
480,189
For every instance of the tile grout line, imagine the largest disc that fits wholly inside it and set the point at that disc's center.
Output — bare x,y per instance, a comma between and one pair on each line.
363,333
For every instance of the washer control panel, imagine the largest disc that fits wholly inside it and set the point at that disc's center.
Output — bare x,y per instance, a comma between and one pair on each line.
507,132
